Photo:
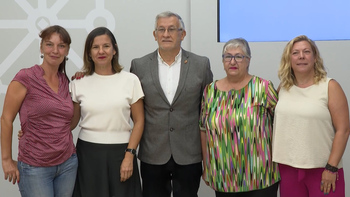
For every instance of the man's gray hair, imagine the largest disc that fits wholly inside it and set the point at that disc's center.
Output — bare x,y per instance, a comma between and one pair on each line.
168,14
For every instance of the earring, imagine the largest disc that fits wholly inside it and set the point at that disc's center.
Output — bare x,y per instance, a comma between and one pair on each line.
42,56
67,58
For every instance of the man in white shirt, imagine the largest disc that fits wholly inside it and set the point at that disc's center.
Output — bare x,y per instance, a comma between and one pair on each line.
173,81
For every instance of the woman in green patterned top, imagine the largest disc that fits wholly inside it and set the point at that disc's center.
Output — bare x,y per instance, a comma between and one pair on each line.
236,123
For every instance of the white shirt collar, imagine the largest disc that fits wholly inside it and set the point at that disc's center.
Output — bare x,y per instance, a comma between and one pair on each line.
177,57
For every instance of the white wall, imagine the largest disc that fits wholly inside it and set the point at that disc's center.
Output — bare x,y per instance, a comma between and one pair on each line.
132,22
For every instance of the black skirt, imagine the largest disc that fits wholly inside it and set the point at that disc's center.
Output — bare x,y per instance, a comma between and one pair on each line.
99,172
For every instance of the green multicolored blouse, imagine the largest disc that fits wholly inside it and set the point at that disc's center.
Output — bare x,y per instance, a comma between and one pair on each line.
238,126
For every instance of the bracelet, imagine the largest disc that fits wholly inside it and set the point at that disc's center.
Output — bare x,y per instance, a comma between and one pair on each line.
331,171
331,168
336,173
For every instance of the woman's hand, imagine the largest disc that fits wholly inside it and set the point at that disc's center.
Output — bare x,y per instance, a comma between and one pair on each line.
10,170
77,75
204,176
20,134
126,168
328,181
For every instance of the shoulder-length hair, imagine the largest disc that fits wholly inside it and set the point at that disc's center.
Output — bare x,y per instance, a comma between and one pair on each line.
285,71
89,65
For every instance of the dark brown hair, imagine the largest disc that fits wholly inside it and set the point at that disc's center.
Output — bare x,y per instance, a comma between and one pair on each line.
89,65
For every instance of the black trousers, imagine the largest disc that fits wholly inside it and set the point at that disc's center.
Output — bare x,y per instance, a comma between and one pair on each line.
267,192
161,180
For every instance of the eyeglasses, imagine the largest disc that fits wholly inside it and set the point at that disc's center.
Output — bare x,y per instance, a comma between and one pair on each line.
171,30
237,58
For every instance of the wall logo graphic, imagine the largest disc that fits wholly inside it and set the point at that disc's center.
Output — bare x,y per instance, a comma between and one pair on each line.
43,16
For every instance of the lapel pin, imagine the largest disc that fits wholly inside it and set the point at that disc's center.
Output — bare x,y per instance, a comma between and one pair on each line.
185,61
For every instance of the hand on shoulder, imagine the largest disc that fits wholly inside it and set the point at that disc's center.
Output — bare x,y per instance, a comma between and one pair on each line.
78,75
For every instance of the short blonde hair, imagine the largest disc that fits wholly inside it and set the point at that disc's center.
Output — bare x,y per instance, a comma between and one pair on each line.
285,71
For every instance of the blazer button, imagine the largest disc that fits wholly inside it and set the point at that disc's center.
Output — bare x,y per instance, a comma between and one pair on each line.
171,129
171,109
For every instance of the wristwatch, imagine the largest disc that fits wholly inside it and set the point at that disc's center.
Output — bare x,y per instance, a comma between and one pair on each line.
132,151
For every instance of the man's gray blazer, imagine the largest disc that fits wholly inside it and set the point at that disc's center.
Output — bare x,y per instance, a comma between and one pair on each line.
172,129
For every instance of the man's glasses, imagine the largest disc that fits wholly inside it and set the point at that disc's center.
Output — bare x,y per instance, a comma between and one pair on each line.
237,58
171,30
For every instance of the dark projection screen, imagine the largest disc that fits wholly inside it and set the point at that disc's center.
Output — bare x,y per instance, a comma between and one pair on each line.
282,20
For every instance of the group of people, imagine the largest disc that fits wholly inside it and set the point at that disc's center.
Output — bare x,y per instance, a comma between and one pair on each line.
257,139
240,134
